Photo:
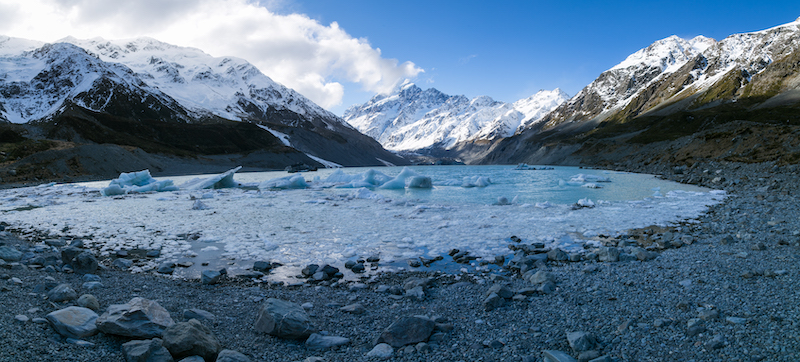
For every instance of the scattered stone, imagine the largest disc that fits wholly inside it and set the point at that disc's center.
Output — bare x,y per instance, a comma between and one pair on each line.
21,318
185,264
355,308
758,246
191,338
540,277
708,314
608,254
198,314
123,264
317,341
284,320
80,342
153,253
414,263
262,266
92,286
84,263
557,356
580,341
492,302
210,277
661,322
417,293
10,254
382,350
309,270
89,301
358,268
407,330
150,350
588,355
74,322
166,268
229,355
716,343
735,320
557,255
62,293
502,290
139,318
695,326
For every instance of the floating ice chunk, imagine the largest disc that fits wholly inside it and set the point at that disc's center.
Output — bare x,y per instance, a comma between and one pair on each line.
221,181
408,178
365,193
288,182
370,178
502,200
140,181
543,205
585,203
199,205
592,185
476,181
451,182
588,178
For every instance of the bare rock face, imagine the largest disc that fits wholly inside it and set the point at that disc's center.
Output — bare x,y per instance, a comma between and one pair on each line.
407,330
284,320
139,318
191,338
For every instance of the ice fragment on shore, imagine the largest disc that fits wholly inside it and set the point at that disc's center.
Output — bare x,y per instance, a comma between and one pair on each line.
223,180
408,178
288,182
132,182
370,178
476,181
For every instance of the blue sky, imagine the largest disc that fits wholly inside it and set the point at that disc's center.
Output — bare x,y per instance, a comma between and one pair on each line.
510,49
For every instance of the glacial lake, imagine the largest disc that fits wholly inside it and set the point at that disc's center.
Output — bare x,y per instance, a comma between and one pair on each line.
326,224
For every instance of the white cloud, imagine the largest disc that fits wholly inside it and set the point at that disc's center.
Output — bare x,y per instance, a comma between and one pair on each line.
293,49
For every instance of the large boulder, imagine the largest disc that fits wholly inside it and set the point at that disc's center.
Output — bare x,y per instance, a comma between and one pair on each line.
62,293
407,330
284,320
139,318
10,254
74,322
84,263
150,350
191,338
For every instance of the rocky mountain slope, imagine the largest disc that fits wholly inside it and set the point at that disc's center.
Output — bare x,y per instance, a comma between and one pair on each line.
410,118
677,101
169,100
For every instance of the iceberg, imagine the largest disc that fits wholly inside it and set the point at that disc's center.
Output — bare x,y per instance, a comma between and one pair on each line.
221,181
408,178
588,178
370,178
476,181
288,182
133,182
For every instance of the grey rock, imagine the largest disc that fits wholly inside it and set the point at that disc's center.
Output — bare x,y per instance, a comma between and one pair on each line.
695,326
642,254
80,342
588,355
284,320
309,270
198,314
708,314
502,290
625,257
358,268
191,338
91,278
21,318
153,253
123,264
262,266
92,286
716,343
580,341
84,263
546,288
382,350
407,330
417,293
89,301
74,322
150,350
423,347
139,318
194,359
608,254
69,253
166,268
62,293
229,355
602,359
10,254
317,341
355,308
209,277
492,302
735,320
557,255
557,356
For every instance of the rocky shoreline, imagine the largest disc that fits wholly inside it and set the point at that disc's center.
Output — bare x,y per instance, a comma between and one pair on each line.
722,289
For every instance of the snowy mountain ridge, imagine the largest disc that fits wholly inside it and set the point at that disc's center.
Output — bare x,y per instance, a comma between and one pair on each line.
410,118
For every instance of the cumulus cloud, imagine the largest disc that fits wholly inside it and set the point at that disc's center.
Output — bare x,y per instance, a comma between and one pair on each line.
295,50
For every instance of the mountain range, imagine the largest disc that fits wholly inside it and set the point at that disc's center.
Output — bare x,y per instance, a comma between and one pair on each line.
167,99
411,119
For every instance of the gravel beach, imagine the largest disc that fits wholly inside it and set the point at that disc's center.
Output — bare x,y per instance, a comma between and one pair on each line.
724,289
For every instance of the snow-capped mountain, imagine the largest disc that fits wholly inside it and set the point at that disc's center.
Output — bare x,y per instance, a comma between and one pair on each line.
145,79
410,118
671,89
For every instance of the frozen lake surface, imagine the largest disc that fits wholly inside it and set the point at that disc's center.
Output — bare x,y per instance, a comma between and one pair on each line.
324,223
